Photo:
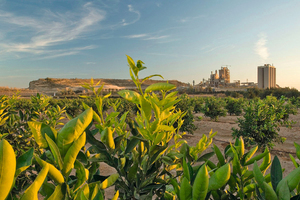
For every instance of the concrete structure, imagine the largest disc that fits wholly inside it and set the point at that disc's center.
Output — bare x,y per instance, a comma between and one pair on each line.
266,76
224,75
221,79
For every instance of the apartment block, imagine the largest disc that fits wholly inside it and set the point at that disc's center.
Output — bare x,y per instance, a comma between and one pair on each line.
266,76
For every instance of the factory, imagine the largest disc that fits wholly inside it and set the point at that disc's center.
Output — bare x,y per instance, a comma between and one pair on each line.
220,80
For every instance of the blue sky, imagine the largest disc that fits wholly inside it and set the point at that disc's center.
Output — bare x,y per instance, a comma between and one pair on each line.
183,40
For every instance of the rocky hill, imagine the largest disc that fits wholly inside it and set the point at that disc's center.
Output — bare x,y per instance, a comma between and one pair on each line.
55,85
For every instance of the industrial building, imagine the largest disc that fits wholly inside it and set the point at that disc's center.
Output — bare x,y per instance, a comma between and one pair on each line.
266,76
222,79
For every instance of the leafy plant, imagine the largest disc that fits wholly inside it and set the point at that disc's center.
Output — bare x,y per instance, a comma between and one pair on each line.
261,122
214,108
186,105
143,158
234,106
60,152
280,188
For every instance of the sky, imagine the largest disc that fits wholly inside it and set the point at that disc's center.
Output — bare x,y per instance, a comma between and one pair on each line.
183,40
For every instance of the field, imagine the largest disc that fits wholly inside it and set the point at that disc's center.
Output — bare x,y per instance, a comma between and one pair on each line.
224,137
135,147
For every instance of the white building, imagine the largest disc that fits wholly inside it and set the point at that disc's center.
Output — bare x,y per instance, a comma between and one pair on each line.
266,76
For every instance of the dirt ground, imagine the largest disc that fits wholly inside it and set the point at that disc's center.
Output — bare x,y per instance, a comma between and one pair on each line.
223,137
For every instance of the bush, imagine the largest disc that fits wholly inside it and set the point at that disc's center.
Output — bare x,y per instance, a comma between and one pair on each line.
214,108
234,106
186,105
261,122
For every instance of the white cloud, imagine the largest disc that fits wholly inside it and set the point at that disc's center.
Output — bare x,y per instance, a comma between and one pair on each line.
157,37
90,63
260,47
136,36
131,9
48,30
146,37
188,19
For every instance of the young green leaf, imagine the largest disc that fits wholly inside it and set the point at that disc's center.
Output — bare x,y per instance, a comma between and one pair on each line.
219,178
276,172
24,161
258,176
55,151
159,86
185,189
200,186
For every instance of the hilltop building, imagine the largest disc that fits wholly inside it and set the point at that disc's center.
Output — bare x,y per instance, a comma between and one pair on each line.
266,76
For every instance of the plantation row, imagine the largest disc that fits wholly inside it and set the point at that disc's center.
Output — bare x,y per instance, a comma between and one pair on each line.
38,152
269,113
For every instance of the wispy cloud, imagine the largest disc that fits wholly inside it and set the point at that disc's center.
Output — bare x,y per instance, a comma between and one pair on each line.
147,36
157,37
131,9
188,19
49,30
136,36
90,63
260,47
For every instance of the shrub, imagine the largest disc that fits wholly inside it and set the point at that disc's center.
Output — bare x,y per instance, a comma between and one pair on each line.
214,108
186,105
261,122
234,106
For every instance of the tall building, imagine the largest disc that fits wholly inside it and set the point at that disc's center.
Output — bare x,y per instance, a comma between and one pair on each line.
224,74
266,76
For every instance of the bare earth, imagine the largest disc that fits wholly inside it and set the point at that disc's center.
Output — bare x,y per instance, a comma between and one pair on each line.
223,137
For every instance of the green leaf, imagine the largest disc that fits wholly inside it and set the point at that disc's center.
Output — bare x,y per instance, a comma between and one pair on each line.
284,192
24,161
276,172
72,153
31,193
256,158
157,155
59,193
73,130
37,134
219,178
269,192
131,145
297,150
249,154
132,65
146,108
82,158
186,172
130,95
55,152
146,78
206,156
109,181
292,179
200,186
258,176
80,174
185,189
160,86
219,155
98,145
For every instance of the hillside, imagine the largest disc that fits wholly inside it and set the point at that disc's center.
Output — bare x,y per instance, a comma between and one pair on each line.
54,85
